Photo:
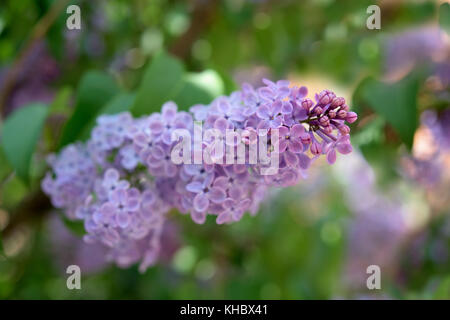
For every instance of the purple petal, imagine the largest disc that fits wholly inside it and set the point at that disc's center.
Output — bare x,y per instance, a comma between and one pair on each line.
217,195
169,111
297,130
263,112
295,146
221,124
201,202
123,219
132,204
344,148
158,152
282,146
223,217
286,108
221,182
276,107
283,132
156,127
291,159
111,175
228,203
303,160
198,217
266,93
331,156
194,186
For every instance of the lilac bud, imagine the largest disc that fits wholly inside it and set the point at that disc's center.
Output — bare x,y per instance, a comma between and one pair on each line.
324,121
307,104
345,107
351,117
316,148
332,114
342,114
338,101
325,97
344,129
305,138
328,129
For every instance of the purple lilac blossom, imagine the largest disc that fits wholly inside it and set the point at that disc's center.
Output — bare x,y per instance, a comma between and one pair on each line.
123,181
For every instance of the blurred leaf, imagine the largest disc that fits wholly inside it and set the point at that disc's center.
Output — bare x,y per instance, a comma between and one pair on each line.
2,250
76,227
5,168
162,81
121,102
199,88
443,289
13,191
394,102
60,103
20,134
208,80
95,90
444,17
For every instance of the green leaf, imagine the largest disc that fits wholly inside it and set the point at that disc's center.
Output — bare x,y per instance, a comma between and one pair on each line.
60,104
120,103
20,134
75,226
394,102
95,90
162,80
444,17
2,250
199,88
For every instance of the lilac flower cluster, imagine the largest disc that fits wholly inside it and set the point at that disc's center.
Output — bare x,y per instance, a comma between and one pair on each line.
122,182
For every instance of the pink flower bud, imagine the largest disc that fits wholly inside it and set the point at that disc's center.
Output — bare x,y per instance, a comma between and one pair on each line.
342,114
305,138
351,117
316,148
307,104
344,129
328,129
338,101
324,121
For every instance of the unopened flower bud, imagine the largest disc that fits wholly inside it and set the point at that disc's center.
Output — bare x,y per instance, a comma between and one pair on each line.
338,101
345,107
316,148
325,97
324,121
328,129
332,114
351,117
305,138
342,114
344,129
307,104
318,110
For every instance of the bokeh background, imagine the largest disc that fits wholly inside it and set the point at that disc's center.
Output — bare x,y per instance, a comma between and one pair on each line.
388,203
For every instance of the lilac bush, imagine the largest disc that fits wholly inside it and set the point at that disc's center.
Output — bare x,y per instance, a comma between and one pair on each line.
122,182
